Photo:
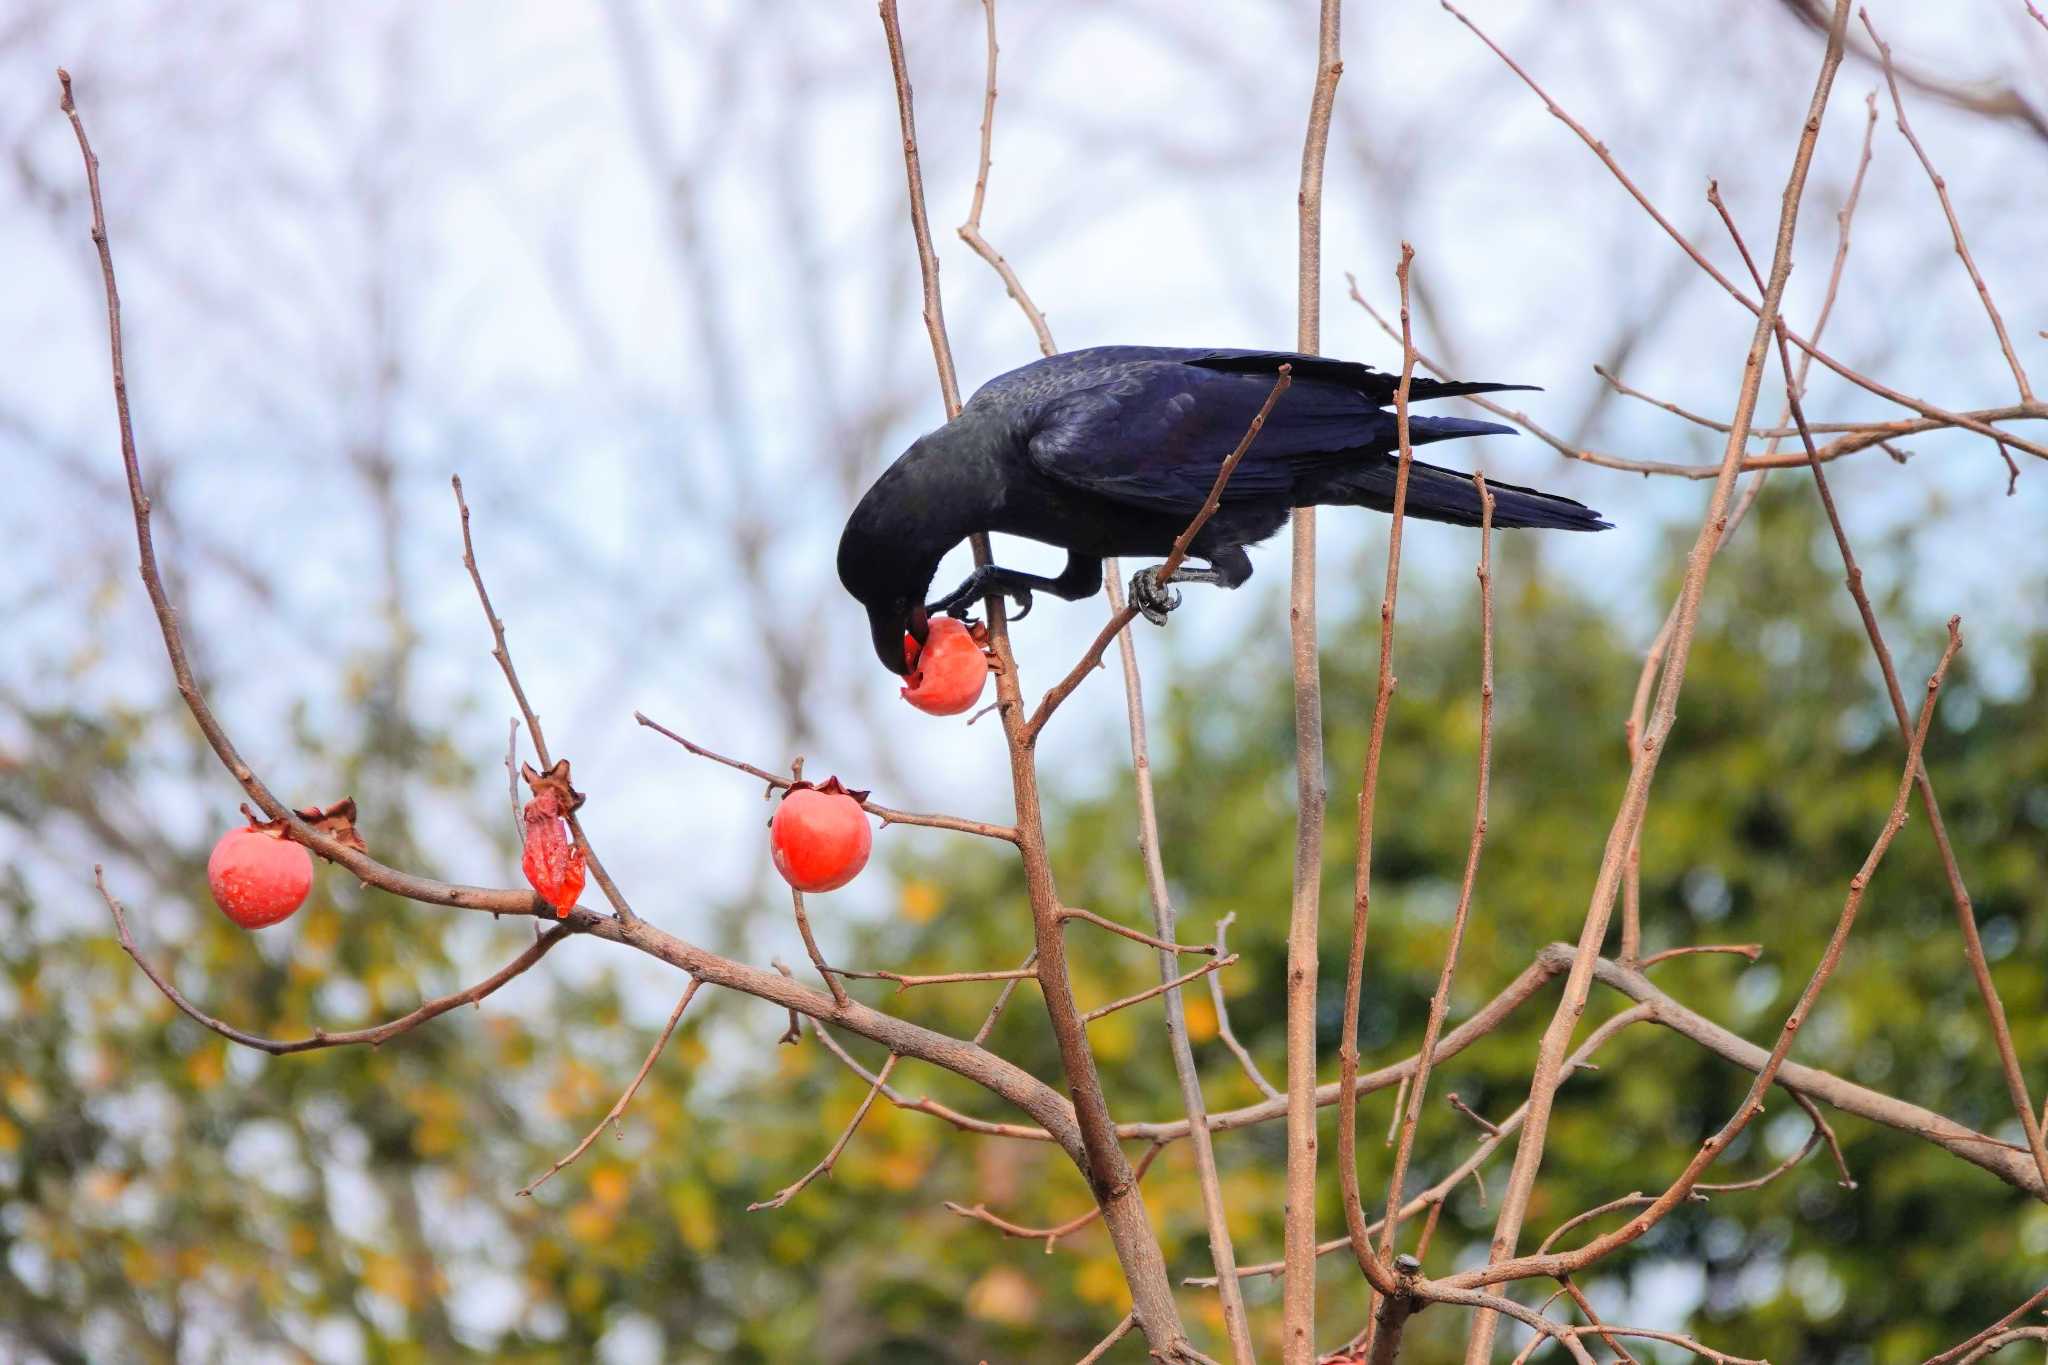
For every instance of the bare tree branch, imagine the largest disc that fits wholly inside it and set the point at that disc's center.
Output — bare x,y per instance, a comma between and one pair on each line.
1298,1308
888,815
619,1108
321,1038
1557,1037
831,1158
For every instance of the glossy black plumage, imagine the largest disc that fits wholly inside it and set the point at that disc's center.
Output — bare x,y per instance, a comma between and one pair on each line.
1111,451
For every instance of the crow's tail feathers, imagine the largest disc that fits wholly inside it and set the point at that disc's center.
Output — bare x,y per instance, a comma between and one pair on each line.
1448,495
1438,494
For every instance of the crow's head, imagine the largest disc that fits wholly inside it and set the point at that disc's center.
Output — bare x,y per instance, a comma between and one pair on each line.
921,506
874,568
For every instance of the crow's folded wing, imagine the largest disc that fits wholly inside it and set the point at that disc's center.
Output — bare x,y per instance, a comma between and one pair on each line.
1155,434
1375,386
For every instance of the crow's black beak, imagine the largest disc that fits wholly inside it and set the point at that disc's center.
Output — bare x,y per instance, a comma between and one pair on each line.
888,629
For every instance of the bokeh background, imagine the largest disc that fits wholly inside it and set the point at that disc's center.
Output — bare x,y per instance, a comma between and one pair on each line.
640,273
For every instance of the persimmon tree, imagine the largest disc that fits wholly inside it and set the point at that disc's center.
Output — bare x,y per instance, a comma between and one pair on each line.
1395,1277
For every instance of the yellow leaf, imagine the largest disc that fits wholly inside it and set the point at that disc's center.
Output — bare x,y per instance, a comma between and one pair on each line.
1006,1295
22,1095
900,1170
1099,1281
920,901
436,1137
1201,1016
206,1067
609,1186
589,1223
585,1291
696,1223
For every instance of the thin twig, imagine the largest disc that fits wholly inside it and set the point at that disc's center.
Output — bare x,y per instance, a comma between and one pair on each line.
1486,1125
1469,1167
1135,935
1557,1036
1222,1252
1948,209
1621,1352
1752,951
1050,1235
803,927
1699,1349
1439,1004
1631,924
1615,382
970,231
512,778
1142,996
503,654
1863,381
995,1011
966,1123
364,866
1223,1029
906,982
619,1108
321,1038
1752,1104
888,815
1374,1267
1962,1349
1856,437
831,1158
1116,1334
1994,1344
1966,915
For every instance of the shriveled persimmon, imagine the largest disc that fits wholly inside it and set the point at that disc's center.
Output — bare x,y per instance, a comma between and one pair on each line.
551,860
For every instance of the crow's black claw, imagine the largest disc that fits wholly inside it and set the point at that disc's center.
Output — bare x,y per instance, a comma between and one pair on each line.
1022,597
1152,600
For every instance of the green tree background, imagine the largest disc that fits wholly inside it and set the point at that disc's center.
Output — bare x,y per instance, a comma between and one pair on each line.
166,1197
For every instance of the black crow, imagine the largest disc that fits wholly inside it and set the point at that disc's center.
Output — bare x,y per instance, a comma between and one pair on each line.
1112,451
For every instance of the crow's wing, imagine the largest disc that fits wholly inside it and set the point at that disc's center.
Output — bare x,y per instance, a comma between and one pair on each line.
1155,433
1376,386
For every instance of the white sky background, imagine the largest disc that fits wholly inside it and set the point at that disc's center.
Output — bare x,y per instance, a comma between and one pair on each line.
449,236
294,194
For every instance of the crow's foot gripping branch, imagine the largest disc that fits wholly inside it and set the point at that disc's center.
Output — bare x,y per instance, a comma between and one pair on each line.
1081,578
1154,599
986,580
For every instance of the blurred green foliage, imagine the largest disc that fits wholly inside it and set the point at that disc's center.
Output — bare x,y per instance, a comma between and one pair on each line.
164,1197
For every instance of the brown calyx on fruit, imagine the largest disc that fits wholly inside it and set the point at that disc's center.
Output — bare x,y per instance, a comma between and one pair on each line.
337,822
553,785
831,786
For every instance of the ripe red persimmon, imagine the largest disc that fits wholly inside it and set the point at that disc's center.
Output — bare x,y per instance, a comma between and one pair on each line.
949,671
258,876
820,837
